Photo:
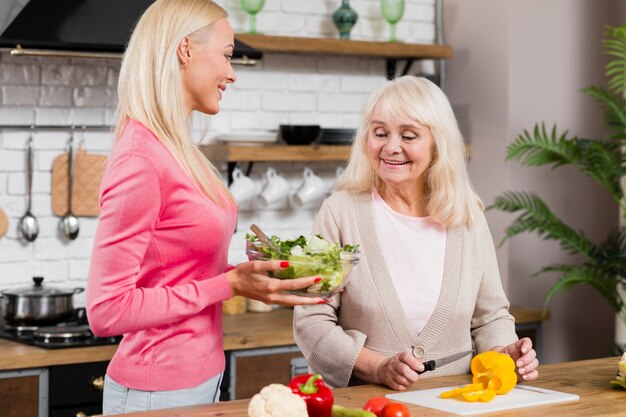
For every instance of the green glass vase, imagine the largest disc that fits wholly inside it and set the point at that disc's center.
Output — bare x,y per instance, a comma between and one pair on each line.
345,18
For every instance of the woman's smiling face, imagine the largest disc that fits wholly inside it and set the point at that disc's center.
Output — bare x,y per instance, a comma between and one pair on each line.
400,150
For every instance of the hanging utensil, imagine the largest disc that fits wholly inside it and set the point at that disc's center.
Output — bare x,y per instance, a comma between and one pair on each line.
4,223
69,222
28,226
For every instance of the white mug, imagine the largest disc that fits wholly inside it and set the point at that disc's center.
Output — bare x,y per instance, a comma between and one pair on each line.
243,188
275,190
313,188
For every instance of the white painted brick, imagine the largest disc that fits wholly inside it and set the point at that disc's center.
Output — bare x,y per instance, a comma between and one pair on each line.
240,100
289,63
50,249
12,250
258,120
256,79
321,27
55,96
50,140
16,274
113,75
351,121
421,32
96,142
17,115
293,102
12,160
94,97
19,74
49,225
41,182
361,83
73,75
4,181
289,24
88,226
13,206
53,116
54,271
87,116
325,8
373,29
79,269
343,65
41,205
342,102
14,139
20,95
420,12
313,83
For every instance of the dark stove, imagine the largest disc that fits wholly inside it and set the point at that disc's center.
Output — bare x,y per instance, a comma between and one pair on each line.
74,332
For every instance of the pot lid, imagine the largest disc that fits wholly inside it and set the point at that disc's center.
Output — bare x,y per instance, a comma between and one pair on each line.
39,290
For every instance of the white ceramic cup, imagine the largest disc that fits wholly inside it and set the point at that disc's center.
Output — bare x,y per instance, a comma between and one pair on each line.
275,190
313,188
243,188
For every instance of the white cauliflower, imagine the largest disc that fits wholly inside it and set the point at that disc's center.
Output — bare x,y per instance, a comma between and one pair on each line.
277,400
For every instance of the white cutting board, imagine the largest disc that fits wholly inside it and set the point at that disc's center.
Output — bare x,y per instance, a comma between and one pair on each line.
517,398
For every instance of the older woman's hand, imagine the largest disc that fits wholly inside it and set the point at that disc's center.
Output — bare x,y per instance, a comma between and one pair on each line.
250,280
400,371
525,358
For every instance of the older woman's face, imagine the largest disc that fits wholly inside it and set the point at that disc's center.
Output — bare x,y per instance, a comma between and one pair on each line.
400,152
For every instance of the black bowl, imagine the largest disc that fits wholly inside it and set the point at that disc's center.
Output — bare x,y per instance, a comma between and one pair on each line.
300,134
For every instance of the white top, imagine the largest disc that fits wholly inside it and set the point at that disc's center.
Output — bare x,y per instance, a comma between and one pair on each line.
414,249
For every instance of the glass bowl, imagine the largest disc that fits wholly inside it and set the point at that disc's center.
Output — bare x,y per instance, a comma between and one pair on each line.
334,273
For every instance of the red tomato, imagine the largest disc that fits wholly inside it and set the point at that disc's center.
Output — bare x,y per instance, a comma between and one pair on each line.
395,410
376,404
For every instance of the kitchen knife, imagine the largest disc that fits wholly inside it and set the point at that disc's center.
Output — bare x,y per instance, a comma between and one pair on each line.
433,364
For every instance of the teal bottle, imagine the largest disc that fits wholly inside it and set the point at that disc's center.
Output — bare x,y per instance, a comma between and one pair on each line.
345,18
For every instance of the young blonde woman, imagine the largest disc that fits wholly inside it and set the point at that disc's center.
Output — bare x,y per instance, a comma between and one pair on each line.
427,285
158,271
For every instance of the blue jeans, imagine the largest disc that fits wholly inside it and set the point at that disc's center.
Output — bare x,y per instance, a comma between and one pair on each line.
119,400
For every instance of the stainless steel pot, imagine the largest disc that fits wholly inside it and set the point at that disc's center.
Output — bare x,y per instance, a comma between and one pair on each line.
38,304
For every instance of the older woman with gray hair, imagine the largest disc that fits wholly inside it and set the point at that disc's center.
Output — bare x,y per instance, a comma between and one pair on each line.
427,285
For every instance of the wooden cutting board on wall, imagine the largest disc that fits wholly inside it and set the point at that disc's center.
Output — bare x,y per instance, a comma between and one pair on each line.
88,171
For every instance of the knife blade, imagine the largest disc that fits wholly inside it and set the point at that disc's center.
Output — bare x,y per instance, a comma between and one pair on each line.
433,364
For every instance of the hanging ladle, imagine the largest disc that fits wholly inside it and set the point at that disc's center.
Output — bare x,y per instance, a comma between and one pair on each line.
69,222
28,225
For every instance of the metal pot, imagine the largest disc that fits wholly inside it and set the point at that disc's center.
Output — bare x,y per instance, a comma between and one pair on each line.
38,305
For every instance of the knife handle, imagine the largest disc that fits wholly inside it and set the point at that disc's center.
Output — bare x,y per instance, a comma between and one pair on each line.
428,366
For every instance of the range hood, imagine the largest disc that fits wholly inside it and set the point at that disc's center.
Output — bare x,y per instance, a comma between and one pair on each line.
79,28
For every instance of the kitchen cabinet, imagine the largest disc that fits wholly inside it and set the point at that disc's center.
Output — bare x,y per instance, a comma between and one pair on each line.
24,393
76,389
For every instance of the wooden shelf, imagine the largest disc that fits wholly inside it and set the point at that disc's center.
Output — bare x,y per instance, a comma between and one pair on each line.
284,153
331,46
281,153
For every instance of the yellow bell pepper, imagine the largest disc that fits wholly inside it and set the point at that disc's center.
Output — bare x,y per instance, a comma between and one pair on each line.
495,371
492,373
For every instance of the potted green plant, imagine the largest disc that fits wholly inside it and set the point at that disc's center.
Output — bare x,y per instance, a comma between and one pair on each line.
603,266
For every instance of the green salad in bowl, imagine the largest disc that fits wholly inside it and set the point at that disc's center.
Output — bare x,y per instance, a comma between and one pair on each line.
312,256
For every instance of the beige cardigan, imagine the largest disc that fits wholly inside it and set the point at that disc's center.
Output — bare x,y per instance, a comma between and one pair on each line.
472,310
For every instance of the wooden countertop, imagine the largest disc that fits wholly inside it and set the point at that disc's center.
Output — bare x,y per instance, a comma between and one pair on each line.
244,331
589,379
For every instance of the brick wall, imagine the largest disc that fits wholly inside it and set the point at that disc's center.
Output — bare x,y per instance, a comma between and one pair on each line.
282,88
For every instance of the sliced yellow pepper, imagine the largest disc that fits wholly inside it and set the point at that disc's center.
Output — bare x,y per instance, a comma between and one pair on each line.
458,391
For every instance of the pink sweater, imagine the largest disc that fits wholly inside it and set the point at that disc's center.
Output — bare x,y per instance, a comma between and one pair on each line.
157,272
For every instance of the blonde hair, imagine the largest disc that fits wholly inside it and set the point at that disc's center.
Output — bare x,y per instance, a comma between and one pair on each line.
451,198
150,90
